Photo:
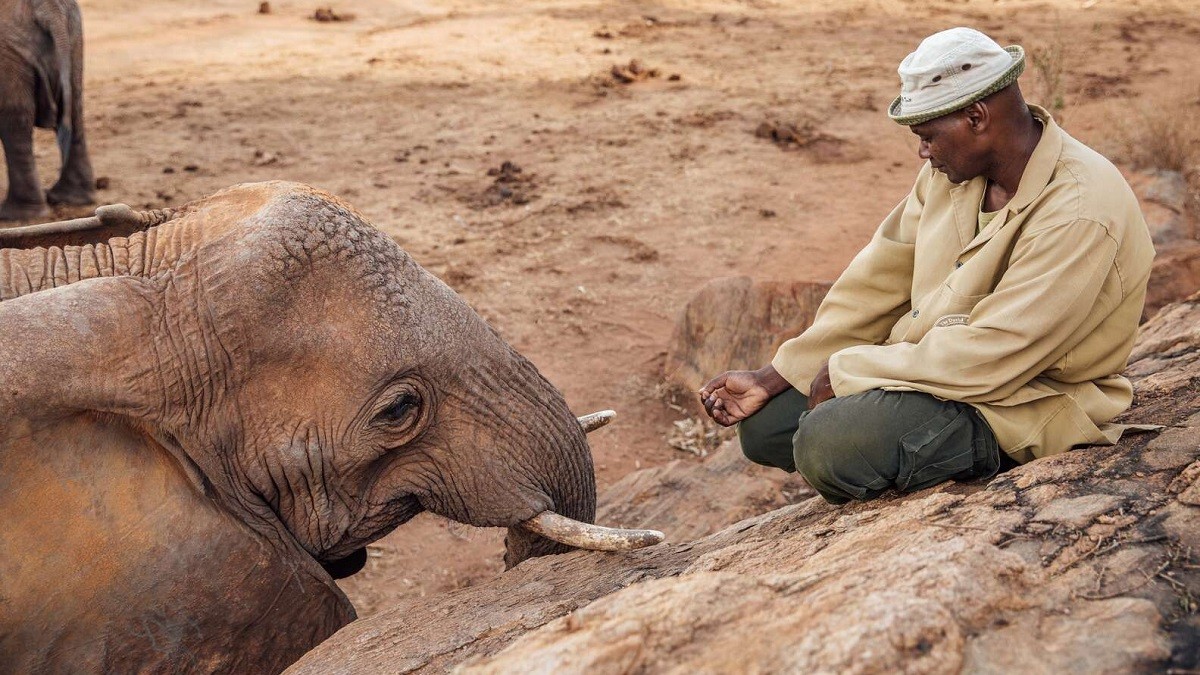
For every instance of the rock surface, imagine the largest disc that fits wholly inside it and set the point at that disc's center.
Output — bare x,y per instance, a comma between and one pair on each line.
1164,199
737,323
665,498
1175,275
1083,562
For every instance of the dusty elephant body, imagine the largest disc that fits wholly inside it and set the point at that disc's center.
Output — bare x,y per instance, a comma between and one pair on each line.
197,417
41,85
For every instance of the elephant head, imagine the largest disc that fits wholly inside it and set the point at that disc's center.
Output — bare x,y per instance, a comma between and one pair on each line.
302,369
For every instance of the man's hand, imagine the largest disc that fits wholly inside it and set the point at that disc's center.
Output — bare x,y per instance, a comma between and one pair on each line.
735,395
821,389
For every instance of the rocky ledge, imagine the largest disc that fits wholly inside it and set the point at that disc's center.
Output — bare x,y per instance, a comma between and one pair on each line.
1084,562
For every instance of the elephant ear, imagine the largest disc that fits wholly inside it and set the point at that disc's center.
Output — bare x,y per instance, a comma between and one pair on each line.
41,257
57,79
170,582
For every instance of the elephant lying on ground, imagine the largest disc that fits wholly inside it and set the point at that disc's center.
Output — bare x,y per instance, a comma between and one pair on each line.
198,415
41,84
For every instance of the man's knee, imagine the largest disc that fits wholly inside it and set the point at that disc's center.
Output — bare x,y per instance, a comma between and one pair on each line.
819,471
766,436
754,434
840,453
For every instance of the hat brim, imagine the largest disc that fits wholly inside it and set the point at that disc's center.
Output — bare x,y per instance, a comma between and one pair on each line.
1006,78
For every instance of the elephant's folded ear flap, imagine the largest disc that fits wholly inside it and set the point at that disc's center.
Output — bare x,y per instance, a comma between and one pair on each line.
348,566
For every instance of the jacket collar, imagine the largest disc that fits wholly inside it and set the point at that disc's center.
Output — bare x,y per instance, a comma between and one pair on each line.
1041,164
966,196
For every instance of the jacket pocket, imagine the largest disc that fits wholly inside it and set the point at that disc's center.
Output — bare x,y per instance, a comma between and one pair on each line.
944,304
938,450
953,302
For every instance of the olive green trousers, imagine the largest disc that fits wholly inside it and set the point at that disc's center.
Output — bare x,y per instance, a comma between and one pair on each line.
855,447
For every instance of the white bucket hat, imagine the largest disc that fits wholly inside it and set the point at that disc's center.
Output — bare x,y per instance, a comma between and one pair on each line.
951,70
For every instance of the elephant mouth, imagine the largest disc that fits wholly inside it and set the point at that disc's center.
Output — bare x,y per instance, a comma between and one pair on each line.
547,524
347,566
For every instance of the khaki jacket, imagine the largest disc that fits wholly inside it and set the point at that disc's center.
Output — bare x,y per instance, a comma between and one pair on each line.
1030,321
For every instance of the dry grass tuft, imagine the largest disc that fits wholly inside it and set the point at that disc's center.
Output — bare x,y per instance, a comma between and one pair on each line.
1162,135
1050,63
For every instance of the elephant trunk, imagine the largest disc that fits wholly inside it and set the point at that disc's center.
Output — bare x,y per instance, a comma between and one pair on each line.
569,481
117,241
551,532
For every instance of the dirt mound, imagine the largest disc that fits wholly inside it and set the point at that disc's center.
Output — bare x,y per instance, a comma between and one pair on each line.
623,75
805,135
510,185
643,28
1080,562
324,15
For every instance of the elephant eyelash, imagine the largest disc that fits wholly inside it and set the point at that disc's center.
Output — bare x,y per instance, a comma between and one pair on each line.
399,410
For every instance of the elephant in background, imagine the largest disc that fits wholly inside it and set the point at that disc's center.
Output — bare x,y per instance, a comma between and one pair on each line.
41,85
206,416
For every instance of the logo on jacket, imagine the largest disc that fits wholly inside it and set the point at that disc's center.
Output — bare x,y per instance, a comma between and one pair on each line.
952,320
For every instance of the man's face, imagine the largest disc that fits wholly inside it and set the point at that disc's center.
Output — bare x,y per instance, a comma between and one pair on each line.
951,146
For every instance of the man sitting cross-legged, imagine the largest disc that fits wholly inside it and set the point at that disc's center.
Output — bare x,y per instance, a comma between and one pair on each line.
989,317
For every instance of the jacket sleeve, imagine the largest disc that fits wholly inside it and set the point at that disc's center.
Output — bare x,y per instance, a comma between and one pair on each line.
1052,295
867,299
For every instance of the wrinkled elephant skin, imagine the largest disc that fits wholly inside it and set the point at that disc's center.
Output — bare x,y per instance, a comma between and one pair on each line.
41,85
203,420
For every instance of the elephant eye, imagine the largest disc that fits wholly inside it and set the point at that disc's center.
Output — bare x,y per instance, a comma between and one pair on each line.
400,409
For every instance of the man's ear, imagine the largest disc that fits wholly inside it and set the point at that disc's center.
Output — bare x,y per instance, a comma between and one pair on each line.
979,118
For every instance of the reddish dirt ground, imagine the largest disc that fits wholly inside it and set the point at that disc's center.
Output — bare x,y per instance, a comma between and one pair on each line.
637,183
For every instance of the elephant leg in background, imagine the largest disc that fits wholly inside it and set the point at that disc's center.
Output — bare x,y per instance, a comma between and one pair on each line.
75,186
25,200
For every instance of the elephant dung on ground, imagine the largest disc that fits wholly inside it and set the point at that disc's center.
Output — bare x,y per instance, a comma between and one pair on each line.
205,416
41,85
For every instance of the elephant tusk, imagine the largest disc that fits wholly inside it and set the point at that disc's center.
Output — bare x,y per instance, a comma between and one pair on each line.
596,420
589,537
